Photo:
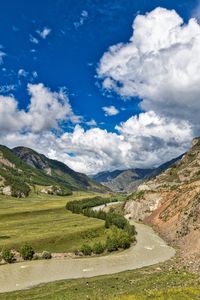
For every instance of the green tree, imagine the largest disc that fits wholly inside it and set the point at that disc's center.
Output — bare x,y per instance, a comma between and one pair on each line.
27,252
7,255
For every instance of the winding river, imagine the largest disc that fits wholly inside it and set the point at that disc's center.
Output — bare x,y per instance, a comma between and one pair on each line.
150,249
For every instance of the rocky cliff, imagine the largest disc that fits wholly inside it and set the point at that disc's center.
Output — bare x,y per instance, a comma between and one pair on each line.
171,203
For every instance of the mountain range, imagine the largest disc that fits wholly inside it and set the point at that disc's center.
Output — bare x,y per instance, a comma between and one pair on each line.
23,169
126,181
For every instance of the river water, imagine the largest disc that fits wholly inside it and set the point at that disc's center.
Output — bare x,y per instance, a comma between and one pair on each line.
150,249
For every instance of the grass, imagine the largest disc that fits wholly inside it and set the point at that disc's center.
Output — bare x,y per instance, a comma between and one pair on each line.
147,283
43,221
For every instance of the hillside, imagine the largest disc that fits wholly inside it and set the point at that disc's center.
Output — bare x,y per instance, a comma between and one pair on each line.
171,202
127,181
23,169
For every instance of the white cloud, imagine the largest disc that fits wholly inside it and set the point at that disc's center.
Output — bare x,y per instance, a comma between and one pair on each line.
35,74
7,88
141,142
92,122
110,110
83,17
22,73
160,64
44,32
45,111
33,39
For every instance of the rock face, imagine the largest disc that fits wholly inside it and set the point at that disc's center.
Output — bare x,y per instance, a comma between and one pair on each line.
171,202
126,181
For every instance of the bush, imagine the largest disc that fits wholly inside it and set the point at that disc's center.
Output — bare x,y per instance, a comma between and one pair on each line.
7,255
27,252
98,248
46,255
117,238
112,244
86,250
124,241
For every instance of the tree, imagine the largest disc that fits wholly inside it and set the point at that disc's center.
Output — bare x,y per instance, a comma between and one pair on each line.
7,255
27,252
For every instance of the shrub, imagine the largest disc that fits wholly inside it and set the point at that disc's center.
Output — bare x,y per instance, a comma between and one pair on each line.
86,249
46,255
112,244
27,252
7,255
124,241
117,238
98,248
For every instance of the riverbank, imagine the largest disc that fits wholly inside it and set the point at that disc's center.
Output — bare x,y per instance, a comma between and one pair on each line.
150,249
161,281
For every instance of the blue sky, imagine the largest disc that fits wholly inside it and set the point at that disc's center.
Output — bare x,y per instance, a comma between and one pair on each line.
60,44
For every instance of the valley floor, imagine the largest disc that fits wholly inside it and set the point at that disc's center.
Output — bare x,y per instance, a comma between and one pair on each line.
43,221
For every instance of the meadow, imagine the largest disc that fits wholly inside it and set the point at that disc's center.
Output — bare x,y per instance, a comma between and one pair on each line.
43,221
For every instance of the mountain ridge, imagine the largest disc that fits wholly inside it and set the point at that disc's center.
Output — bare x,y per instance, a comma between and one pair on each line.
23,169
128,180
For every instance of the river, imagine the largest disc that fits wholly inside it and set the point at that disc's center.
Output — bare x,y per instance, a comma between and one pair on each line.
150,249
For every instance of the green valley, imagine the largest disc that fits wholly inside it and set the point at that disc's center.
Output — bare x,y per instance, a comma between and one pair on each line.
43,221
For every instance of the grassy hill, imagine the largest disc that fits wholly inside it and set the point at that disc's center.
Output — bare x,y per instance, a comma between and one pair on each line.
23,170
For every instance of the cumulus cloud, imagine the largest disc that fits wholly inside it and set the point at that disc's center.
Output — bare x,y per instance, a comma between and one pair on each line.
110,110
160,64
45,111
140,142
44,32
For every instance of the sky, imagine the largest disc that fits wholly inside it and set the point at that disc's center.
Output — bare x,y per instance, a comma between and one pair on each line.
100,84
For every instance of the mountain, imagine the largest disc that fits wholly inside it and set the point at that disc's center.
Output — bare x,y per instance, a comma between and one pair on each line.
23,169
171,203
126,181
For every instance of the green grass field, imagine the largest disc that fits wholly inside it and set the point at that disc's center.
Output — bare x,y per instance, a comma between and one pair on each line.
43,221
144,284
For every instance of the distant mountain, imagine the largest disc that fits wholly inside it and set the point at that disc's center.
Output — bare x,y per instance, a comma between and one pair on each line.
171,202
128,180
23,169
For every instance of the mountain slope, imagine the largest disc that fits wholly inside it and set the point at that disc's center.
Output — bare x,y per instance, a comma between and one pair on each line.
56,169
22,169
128,180
171,202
